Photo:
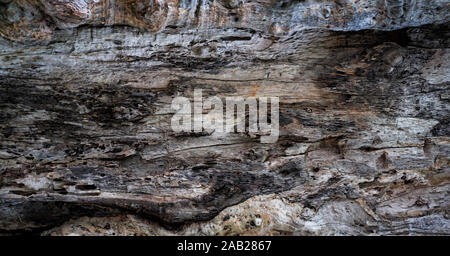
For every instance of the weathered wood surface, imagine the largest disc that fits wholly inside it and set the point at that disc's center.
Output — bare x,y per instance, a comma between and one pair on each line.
85,137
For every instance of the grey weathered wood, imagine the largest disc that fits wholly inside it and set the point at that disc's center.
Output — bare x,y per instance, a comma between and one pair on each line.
85,94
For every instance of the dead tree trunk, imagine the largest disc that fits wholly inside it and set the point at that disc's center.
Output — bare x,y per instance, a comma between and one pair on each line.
85,97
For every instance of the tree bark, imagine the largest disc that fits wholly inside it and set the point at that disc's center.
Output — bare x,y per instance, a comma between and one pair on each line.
85,137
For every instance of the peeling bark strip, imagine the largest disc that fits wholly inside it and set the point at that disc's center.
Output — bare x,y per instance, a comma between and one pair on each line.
86,144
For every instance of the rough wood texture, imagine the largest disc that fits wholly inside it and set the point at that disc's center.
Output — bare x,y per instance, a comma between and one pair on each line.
86,145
